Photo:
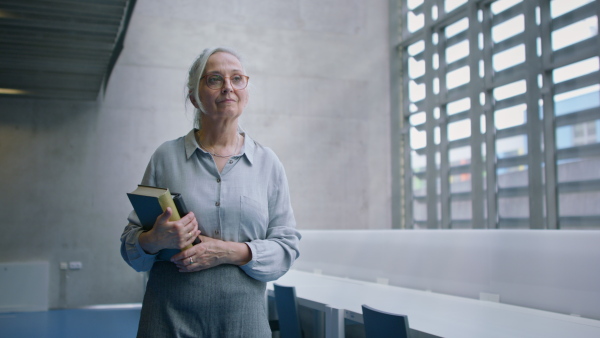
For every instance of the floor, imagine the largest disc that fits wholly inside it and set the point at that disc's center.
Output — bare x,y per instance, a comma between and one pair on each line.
95,322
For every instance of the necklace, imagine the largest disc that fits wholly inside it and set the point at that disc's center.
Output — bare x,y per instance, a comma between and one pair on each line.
219,155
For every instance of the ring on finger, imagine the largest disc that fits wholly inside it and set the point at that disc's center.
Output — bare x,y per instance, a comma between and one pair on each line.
191,261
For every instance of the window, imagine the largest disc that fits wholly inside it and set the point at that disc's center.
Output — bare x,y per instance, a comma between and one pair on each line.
498,114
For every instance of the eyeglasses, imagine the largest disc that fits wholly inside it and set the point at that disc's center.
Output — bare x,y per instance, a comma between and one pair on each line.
215,81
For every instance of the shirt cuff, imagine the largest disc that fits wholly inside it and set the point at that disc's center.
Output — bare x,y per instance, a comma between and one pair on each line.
254,260
141,252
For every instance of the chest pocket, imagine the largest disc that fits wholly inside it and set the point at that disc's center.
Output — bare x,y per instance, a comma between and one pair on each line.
254,219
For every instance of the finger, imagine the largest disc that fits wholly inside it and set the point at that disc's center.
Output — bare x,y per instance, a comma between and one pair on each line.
191,237
164,217
189,217
179,261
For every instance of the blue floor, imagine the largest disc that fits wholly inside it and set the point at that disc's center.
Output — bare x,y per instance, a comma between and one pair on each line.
72,323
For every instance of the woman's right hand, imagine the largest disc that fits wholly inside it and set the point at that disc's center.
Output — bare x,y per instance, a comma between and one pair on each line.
170,235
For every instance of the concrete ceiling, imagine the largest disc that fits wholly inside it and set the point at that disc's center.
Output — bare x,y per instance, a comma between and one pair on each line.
60,49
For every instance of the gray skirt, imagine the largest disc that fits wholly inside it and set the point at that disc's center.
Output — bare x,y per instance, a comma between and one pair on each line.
219,302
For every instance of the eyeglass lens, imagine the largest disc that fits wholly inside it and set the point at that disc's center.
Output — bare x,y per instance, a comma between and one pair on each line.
217,81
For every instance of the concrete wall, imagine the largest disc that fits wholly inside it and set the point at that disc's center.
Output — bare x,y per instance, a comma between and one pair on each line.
319,98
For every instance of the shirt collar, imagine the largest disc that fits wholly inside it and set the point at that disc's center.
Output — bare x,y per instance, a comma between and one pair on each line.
191,145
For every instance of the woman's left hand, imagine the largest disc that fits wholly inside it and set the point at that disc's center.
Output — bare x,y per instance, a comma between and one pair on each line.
210,253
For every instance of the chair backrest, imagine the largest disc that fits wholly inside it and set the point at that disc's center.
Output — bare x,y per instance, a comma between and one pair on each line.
287,311
380,324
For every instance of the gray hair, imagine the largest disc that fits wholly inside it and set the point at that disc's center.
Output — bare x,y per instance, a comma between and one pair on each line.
195,73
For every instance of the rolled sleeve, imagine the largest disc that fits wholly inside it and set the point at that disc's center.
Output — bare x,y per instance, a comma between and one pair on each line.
131,251
272,258
275,255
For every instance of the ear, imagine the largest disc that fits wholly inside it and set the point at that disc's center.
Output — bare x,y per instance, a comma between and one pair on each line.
193,100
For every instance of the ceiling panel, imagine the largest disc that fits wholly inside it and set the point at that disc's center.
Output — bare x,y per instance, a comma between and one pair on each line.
60,49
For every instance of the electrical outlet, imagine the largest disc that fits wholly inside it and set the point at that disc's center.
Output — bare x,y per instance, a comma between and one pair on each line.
490,297
384,281
64,265
75,265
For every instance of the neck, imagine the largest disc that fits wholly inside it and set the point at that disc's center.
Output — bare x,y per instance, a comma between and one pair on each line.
218,134
222,145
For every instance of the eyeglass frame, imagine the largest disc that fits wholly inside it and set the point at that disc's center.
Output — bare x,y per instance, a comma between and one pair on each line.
226,77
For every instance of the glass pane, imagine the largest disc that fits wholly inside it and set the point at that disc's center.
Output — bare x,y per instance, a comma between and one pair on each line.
579,203
415,68
513,207
458,77
461,209
458,106
457,27
512,177
450,5
417,118
510,117
577,100
418,162
416,92
460,183
416,48
457,51
578,134
511,146
510,90
458,130
419,186
502,5
574,33
418,138
460,156
560,7
509,58
584,169
419,210
508,28
415,22
575,70
412,4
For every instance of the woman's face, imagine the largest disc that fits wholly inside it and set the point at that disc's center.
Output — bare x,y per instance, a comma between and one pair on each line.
226,102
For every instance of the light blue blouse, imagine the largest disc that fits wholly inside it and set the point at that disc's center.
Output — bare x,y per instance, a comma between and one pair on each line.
248,202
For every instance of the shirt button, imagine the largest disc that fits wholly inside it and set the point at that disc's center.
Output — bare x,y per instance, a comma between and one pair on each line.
218,180
217,232
218,203
230,161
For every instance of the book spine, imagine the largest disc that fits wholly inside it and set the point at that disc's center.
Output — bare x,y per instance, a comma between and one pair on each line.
166,200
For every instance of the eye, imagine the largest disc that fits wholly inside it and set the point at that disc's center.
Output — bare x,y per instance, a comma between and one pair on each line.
214,80
237,79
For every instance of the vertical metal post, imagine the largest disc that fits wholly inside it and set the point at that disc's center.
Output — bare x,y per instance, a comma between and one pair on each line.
445,196
534,130
548,119
476,139
490,128
396,116
431,174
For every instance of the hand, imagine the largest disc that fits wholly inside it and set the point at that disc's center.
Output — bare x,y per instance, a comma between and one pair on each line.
210,253
170,235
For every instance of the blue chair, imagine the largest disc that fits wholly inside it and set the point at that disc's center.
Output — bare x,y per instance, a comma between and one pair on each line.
379,324
287,311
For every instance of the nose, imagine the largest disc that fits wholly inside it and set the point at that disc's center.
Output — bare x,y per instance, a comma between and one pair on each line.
227,87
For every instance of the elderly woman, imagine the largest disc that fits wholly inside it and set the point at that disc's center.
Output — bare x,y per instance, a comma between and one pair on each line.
240,210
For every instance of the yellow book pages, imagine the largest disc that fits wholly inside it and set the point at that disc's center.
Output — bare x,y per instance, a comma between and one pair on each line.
166,200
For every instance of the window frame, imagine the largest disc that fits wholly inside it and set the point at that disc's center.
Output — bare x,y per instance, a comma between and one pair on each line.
542,190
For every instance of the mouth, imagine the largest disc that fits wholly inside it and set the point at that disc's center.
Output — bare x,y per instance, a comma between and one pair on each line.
226,100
